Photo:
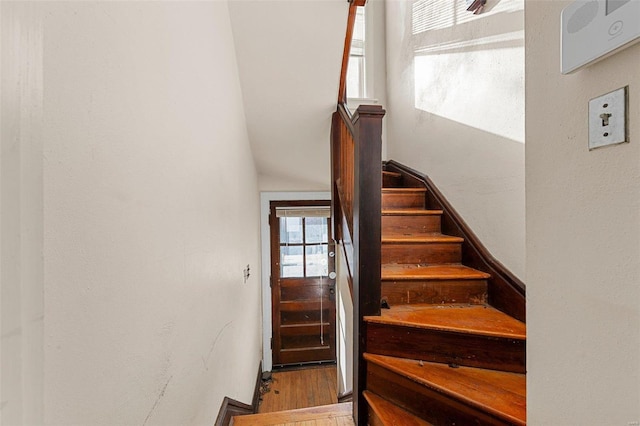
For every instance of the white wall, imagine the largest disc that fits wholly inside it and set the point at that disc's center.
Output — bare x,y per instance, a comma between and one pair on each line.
289,56
456,111
583,238
149,212
21,266
344,320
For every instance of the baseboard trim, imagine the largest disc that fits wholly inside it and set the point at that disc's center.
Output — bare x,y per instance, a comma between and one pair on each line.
345,397
255,402
231,407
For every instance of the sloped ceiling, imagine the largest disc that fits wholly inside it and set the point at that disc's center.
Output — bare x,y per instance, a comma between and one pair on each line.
289,55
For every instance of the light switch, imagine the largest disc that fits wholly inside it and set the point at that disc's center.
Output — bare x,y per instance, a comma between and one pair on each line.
608,119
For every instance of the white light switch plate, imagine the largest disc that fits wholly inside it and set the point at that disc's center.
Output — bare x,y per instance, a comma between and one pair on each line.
608,119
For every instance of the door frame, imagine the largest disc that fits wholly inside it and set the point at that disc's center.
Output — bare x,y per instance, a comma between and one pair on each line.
265,242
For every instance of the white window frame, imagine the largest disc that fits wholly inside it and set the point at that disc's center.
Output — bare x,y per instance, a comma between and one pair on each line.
366,86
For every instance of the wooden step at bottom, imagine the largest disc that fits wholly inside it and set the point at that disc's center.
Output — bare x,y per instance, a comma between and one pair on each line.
385,413
335,414
443,395
468,335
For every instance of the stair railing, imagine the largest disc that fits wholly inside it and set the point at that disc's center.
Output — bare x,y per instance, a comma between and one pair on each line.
356,177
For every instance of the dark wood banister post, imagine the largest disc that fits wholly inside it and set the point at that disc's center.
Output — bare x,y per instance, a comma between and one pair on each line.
336,212
367,210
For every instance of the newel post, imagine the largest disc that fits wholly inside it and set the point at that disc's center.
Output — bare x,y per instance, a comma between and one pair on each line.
366,239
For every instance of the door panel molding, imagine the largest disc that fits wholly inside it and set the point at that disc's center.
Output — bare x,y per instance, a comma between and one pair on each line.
265,200
299,289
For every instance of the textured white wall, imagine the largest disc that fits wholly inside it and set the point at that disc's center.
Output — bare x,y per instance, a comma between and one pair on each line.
21,279
147,216
456,111
583,238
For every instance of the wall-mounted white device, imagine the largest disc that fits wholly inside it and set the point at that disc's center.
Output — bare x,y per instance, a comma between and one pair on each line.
594,29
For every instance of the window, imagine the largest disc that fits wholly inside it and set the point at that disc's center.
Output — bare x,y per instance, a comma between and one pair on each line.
356,76
304,243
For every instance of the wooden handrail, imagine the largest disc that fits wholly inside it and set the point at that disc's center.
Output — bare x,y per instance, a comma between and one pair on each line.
351,19
356,183
342,90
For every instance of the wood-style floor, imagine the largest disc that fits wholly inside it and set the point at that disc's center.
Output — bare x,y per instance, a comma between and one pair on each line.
301,398
310,387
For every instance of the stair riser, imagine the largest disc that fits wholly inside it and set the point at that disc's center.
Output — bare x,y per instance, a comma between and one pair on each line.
424,402
391,181
435,292
446,347
374,420
410,224
384,413
421,253
403,201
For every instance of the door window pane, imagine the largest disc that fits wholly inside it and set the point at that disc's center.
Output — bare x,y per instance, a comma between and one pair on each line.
317,260
316,230
290,230
291,262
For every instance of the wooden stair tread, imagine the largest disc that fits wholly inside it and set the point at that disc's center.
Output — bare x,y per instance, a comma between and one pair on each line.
396,237
471,319
324,412
390,414
496,392
404,190
400,271
410,212
392,174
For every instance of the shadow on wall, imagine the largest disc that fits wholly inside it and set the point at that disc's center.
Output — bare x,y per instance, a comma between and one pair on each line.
468,68
482,175
457,96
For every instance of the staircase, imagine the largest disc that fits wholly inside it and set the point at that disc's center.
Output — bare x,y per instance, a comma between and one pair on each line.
439,354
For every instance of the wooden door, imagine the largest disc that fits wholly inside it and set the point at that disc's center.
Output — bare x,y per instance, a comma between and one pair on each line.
302,283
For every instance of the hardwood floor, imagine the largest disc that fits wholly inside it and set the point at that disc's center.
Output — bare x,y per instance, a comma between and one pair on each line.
310,387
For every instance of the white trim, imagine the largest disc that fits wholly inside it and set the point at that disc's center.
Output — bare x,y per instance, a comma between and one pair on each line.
265,200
